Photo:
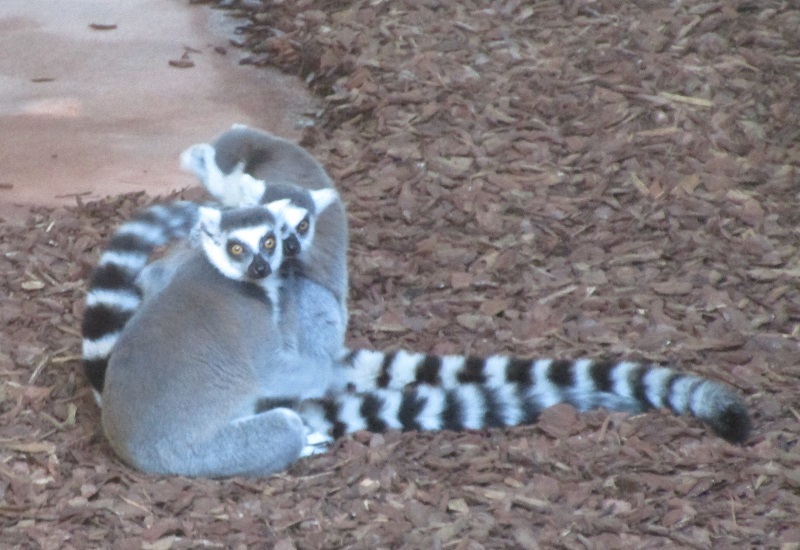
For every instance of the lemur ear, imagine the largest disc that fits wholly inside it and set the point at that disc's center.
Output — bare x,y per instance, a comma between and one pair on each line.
277,207
209,220
238,126
323,198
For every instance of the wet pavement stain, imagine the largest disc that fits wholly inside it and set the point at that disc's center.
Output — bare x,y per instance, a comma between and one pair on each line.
101,98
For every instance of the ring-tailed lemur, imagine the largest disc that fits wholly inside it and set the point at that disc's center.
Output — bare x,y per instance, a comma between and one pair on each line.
500,390
241,166
468,396
187,372
121,279
229,169
195,371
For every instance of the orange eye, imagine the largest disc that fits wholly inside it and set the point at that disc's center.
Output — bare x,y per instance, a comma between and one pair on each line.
235,249
269,243
302,227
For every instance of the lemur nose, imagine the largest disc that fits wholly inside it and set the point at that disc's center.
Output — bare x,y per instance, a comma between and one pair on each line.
258,268
291,246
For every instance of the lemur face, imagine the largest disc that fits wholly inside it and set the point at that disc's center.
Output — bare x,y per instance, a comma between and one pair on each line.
296,231
244,244
300,217
249,251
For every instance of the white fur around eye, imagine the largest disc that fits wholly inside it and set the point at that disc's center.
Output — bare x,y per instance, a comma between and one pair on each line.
251,236
294,214
215,246
219,258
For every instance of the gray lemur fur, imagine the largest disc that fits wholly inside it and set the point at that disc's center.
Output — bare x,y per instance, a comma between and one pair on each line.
188,372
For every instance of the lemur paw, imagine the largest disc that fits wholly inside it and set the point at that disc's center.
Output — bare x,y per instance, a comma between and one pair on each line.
316,443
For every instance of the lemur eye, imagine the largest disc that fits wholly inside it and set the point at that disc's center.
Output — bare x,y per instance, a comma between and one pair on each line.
302,227
235,249
268,243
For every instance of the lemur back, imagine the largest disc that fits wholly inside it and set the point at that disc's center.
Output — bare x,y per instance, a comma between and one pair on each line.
187,373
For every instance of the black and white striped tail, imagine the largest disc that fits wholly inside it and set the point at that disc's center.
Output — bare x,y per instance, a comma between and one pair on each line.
501,391
420,407
113,296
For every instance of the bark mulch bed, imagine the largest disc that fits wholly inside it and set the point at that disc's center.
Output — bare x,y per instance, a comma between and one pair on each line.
599,178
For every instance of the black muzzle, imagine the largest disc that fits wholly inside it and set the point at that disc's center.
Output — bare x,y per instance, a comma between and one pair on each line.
258,268
291,246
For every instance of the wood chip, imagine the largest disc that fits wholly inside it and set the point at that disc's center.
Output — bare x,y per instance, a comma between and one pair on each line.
102,26
181,63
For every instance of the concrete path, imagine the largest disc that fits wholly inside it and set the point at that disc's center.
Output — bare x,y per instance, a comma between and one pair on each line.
90,105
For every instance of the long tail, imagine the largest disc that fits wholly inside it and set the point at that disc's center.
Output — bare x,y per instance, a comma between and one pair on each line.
402,390
113,296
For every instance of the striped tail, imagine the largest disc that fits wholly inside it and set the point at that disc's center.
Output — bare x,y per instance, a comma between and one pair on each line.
468,392
113,296
420,407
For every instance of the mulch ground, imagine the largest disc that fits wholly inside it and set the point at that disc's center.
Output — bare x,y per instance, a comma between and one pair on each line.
599,178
